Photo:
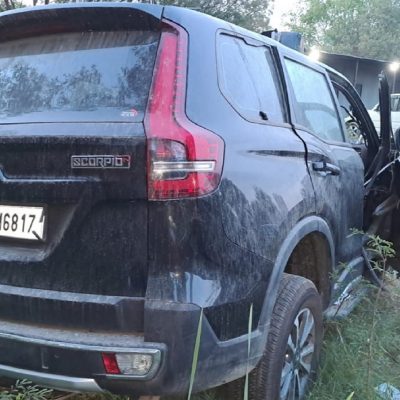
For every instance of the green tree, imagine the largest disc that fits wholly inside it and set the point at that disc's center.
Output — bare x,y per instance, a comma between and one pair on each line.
6,5
366,28
251,14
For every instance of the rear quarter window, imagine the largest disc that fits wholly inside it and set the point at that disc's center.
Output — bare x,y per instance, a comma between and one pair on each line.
248,80
314,105
88,76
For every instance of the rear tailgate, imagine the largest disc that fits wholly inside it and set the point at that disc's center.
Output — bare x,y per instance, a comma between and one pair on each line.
74,83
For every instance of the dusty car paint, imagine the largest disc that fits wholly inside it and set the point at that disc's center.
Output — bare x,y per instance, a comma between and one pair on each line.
135,272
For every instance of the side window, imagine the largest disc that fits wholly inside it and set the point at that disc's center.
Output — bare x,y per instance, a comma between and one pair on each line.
248,80
395,103
315,108
351,117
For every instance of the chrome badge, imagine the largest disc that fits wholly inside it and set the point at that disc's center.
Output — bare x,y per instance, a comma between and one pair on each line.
101,162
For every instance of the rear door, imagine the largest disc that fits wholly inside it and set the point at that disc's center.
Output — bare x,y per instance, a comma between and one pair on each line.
266,186
336,169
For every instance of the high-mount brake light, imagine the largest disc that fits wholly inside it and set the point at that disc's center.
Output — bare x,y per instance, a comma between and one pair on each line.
184,159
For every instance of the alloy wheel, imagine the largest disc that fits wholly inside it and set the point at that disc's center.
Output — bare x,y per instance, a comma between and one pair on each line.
298,357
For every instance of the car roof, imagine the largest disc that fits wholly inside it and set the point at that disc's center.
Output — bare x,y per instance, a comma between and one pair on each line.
184,16
152,9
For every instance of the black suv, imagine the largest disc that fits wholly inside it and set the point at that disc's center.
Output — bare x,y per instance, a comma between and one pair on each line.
169,179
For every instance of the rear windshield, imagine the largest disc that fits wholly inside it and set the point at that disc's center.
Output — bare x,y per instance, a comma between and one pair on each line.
77,77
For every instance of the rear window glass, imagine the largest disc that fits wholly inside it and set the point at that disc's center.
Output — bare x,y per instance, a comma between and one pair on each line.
73,77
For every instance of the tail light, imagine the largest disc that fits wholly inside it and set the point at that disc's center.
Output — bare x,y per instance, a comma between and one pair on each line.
184,159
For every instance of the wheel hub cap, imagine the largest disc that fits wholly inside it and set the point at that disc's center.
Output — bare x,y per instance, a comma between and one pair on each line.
298,358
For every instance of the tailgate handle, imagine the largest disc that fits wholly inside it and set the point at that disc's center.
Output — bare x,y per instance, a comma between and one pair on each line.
323,166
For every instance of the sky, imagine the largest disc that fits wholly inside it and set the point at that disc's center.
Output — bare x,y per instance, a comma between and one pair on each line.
281,7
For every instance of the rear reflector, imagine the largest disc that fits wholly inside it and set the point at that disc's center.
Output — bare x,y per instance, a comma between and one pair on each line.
110,363
184,159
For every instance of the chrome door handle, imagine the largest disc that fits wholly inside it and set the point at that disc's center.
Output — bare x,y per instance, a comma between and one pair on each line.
323,166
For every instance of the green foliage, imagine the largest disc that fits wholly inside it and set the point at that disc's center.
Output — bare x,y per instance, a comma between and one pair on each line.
366,28
351,353
363,351
250,14
6,5
93,396
26,390
382,251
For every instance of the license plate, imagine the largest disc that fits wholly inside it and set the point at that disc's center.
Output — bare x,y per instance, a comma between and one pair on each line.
20,222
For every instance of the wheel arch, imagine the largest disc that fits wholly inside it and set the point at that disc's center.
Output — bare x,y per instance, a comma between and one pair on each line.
313,228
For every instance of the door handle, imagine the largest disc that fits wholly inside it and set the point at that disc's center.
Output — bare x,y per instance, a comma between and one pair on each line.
323,166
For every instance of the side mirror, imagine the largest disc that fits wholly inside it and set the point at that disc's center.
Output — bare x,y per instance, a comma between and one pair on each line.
385,114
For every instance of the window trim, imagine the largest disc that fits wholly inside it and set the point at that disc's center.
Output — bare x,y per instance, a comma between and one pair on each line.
293,101
280,88
372,140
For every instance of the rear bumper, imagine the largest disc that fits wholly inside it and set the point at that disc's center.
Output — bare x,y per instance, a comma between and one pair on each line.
71,360
60,382
68,360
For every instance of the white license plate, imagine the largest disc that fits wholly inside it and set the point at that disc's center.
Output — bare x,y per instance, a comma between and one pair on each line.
20,222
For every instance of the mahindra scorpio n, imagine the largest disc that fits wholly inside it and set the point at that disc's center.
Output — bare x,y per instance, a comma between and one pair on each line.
161,169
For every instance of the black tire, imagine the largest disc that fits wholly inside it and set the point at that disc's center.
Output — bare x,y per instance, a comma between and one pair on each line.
298,301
